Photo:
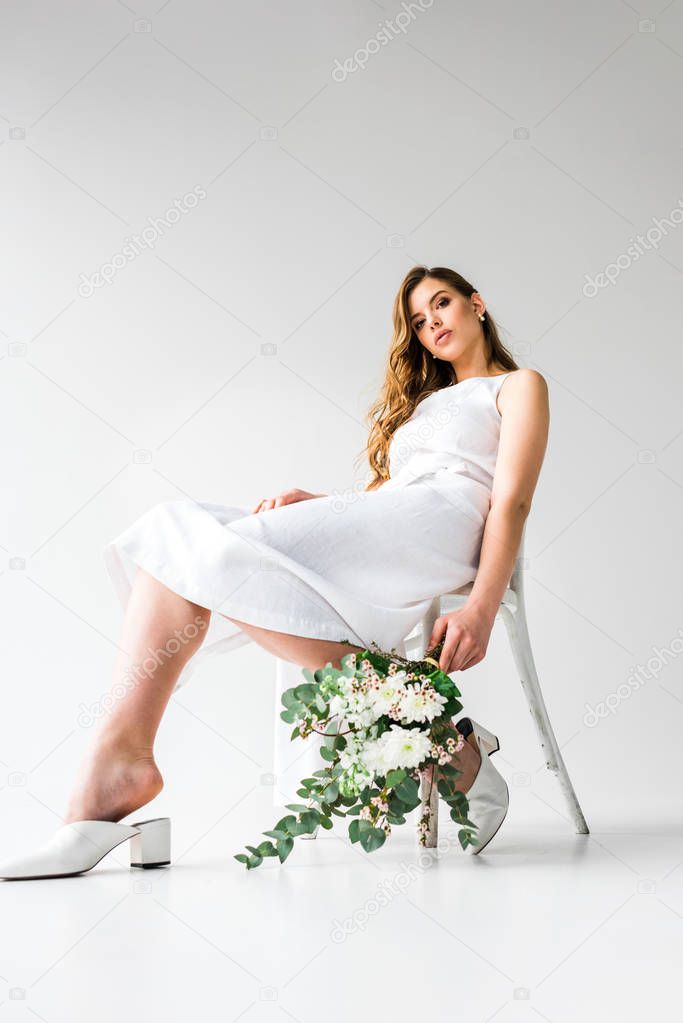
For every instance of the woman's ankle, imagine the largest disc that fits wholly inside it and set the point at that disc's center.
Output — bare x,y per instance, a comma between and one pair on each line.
111,787
122,744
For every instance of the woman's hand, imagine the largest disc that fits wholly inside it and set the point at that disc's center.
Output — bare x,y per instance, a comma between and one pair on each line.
286,497
467,633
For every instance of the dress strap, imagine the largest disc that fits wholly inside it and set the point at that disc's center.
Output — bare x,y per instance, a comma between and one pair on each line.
499,378
498,382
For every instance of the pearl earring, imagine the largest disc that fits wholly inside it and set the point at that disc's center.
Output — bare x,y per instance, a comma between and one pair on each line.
481,316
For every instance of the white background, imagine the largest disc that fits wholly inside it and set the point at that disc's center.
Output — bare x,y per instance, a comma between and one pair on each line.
523,145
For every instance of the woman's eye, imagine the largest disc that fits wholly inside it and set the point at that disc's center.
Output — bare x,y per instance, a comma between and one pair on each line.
418,325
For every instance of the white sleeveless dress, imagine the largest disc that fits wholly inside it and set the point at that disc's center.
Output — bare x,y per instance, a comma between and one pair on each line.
361,566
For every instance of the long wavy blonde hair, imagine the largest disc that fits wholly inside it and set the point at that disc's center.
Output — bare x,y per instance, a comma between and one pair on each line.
412,373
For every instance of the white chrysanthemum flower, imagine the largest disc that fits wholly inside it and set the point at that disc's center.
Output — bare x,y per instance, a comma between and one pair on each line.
421,704
397,747
388,692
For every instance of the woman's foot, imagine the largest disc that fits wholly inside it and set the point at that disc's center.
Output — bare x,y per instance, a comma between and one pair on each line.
467,761
115,781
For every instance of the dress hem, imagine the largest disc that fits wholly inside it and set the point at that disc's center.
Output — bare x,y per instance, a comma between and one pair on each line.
113,557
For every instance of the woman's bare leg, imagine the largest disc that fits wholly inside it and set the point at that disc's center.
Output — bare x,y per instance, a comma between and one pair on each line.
161,631
309,653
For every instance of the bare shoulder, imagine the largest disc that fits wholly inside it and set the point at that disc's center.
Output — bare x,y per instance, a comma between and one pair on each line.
523,387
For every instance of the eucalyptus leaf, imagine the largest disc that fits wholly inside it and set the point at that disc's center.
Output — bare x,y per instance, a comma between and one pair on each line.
467,839
285,823
267,849
372,838
310,821
284,848
407,790
305,692
331,792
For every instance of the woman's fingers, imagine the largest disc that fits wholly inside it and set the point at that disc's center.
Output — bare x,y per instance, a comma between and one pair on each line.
287,497
471,661
457,649
440,626
269,502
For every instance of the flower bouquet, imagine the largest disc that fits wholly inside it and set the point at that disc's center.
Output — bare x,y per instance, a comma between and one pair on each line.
383,722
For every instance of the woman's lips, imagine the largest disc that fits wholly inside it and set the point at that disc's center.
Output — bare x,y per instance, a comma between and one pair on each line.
443,338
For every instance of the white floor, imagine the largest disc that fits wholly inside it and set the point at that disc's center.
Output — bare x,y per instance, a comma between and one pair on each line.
546,924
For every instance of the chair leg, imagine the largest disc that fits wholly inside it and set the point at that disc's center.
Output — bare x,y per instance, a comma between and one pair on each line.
518,634
428,824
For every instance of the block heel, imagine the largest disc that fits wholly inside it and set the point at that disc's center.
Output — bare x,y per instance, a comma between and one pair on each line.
151,846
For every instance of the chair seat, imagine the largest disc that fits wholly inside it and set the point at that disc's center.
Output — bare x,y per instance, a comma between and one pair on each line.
450,601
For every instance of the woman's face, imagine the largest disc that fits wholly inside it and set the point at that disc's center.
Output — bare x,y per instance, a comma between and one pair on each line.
434,307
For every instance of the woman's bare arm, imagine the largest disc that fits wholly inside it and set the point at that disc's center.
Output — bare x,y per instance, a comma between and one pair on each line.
523,438
525,420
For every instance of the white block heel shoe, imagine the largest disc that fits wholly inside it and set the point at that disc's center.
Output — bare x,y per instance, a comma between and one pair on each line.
79,846
488,796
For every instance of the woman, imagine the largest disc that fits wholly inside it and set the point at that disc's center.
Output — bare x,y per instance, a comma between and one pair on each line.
312,577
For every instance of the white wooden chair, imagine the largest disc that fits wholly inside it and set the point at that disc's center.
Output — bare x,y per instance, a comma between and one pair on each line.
513,612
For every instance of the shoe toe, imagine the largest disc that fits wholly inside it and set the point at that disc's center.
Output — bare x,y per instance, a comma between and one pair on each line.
72,849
